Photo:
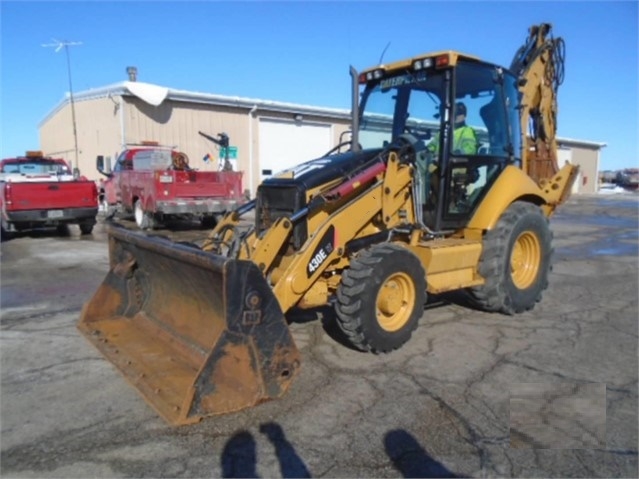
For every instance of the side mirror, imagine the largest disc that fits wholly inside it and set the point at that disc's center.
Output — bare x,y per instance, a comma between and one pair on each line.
99,165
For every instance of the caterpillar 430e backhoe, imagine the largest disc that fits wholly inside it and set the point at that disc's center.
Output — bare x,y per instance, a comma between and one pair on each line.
406,211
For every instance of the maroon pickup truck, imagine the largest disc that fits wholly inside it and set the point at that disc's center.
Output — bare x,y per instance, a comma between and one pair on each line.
155,183
37,191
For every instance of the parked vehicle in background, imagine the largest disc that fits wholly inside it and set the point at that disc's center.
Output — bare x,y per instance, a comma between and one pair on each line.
38,191
628,178
155,183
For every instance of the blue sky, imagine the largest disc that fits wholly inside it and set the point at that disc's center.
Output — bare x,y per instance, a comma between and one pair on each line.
300,52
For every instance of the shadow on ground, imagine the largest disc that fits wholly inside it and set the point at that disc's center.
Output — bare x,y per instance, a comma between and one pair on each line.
239,457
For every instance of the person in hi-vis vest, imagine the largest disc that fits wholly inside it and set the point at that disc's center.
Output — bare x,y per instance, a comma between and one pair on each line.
464,143
464,137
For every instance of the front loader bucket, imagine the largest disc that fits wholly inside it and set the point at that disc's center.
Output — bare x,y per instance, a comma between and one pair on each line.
197,334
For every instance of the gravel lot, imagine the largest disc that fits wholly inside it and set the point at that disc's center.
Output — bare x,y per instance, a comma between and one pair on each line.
549,393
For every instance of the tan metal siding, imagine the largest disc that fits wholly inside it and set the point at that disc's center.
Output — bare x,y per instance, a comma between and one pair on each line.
588,161
177,124
98,131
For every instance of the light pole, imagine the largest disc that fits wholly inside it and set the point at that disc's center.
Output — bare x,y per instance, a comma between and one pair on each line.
58,46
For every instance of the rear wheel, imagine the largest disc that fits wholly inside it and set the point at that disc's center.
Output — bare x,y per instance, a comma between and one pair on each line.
381,298
515,261
143,219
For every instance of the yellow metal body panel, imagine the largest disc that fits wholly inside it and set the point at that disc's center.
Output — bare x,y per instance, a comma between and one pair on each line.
450,263
510,186
351,220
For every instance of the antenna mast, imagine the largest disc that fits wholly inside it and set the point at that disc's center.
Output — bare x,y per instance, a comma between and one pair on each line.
58,46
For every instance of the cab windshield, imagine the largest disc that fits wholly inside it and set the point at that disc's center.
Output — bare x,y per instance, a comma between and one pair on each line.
413,98
36,167
413,102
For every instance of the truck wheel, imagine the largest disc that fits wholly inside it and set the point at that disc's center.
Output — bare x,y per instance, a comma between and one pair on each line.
5,234
208,222
143,219
515,261
86,228
105,207
381,298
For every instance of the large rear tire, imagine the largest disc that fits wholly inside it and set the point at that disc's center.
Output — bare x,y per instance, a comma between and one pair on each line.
515,261
381,298
143,219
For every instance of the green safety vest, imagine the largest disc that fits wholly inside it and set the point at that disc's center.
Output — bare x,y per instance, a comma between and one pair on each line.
464,141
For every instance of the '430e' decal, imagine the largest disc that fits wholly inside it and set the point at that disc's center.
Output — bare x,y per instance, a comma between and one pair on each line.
323,250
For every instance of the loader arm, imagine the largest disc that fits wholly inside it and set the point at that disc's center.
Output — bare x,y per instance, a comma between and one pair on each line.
386,199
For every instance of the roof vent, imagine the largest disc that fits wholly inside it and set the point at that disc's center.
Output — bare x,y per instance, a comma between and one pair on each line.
133,73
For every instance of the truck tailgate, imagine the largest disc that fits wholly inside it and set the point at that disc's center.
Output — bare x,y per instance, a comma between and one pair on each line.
207,184
52,195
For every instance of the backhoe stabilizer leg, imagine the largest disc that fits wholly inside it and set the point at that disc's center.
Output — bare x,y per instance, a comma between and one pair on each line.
558,188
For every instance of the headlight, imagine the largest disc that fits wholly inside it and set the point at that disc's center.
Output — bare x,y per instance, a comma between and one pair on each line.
422,64
374,75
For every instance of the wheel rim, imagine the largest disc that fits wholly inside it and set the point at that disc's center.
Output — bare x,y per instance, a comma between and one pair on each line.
139,214
525,260
395,302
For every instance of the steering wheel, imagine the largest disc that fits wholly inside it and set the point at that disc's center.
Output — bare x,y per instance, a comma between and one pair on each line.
408,147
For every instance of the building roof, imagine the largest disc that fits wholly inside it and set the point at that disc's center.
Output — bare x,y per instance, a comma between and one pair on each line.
155,95
574,142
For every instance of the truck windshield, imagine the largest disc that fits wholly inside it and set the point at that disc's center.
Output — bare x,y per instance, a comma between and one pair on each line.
152,160
36,167
409,102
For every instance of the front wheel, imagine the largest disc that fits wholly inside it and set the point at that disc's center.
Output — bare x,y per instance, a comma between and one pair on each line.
515,262
143,219
381,298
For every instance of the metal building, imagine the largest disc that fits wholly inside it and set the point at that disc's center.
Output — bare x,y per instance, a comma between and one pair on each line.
266,136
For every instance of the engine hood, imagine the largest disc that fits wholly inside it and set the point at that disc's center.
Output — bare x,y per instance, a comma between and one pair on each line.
321,170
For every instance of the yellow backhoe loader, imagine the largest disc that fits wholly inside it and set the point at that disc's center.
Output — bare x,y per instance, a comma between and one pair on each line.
413,207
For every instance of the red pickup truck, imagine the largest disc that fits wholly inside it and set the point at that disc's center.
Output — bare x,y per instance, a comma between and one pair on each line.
37,191
155,183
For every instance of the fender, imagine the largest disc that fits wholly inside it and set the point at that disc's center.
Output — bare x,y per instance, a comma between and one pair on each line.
513,184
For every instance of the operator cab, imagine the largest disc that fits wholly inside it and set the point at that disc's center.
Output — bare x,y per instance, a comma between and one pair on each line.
414,103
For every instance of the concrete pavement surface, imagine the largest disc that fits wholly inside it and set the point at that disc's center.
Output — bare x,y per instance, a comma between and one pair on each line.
548,393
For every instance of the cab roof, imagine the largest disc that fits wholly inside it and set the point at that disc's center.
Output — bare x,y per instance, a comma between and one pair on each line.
453,58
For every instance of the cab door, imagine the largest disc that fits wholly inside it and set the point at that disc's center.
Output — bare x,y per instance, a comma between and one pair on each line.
492,101
122,179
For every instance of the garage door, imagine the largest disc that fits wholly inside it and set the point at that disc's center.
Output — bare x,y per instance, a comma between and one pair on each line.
284,144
